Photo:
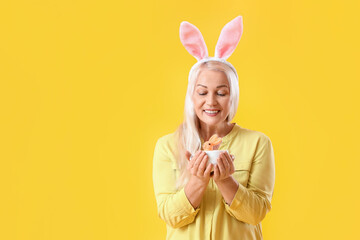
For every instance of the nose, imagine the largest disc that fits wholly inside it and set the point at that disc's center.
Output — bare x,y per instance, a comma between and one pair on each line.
211,100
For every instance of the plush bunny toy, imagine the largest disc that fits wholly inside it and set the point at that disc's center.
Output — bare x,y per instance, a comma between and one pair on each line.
212,142
193,41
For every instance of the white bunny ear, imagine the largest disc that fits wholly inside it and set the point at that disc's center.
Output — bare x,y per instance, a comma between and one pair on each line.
193,41
229,38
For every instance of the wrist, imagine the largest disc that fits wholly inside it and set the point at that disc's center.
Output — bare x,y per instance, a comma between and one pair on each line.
224,181
198,181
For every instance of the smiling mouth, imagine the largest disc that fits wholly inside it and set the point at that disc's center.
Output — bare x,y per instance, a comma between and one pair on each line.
211,113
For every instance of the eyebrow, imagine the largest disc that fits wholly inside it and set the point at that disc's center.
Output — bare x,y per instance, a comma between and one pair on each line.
216,87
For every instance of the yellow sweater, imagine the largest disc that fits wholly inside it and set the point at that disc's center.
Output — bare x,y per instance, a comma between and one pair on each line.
215,219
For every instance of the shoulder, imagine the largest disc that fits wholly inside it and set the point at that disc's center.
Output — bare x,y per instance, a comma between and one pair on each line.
247,145
252,136
166,139
167,142
250,133
166,149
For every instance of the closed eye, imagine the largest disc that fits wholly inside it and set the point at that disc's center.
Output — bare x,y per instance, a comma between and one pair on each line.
218,94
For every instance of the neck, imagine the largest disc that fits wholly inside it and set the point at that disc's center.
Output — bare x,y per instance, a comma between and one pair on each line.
206,131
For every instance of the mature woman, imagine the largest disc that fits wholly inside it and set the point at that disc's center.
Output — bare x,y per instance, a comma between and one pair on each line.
227,200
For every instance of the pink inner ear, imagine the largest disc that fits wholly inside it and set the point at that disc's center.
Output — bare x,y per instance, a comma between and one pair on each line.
193,41
229,38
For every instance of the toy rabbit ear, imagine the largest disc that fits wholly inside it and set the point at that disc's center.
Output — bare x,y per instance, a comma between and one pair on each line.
215,140
193,41
229,38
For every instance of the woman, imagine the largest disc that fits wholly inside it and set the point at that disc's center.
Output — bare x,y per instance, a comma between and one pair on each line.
227,200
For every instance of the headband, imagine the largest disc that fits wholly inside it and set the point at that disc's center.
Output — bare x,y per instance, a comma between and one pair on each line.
193,41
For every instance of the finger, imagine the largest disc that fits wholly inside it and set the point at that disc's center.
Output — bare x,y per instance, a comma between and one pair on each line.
232,167
198,161
188,155
197,153
193,159
202,166
208,170
190,163
221,166
226,164
216,172
232,157
227,155
229,162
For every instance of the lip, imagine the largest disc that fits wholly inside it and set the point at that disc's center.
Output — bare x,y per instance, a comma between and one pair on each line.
211,109
212,114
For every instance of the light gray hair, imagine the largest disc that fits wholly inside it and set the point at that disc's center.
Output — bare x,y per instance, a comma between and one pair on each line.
188,132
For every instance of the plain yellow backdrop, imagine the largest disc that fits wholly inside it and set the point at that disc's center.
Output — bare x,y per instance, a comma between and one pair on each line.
87,87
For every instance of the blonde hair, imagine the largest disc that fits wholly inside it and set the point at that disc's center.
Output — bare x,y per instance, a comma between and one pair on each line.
187,133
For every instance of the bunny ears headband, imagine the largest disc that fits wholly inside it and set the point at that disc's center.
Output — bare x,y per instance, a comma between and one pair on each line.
193,41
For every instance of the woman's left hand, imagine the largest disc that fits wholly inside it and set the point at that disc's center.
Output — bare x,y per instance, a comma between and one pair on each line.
224,167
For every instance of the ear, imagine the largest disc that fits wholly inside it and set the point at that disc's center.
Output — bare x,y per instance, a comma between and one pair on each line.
213,138
193,41
216,141
229,38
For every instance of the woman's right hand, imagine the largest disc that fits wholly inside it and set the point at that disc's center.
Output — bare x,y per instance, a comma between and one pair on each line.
197,166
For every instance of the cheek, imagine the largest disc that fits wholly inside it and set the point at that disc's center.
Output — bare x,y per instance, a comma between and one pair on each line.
197,102
226,103
197,106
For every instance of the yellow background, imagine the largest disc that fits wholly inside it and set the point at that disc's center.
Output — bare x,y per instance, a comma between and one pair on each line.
87,87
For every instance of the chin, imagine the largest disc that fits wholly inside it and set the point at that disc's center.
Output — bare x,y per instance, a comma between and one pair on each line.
212,121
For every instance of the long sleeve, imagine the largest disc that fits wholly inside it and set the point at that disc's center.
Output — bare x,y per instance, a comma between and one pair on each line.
252,203
173,206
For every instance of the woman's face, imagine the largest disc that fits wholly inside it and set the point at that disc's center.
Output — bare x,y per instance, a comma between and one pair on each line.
212,92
